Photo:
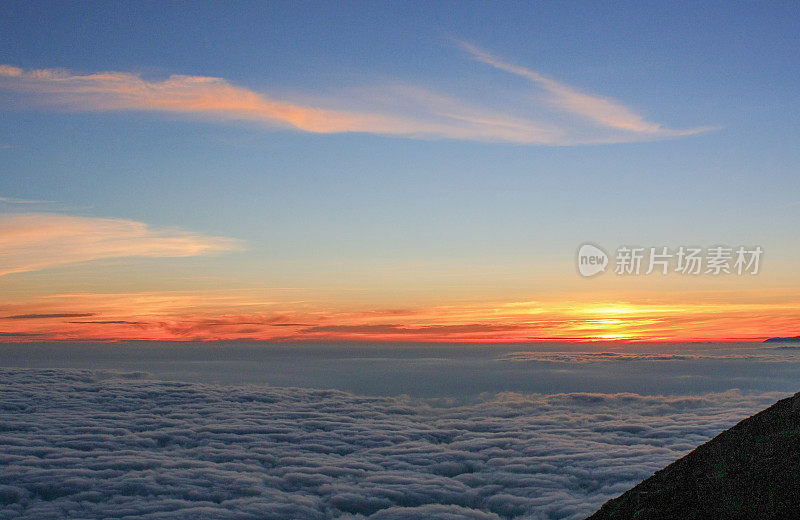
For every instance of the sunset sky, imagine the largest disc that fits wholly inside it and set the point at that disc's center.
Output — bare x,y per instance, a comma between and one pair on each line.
405,171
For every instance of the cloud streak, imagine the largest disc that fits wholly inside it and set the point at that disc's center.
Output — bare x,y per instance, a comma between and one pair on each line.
617,357
46,316
217,98
11,200
35,241
599,110
396,110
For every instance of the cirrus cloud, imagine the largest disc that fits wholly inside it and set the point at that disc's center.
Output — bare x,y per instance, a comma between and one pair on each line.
567,117
597,109
34,241
217,98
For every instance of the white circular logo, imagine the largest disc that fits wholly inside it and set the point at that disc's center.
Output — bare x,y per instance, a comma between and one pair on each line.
591,260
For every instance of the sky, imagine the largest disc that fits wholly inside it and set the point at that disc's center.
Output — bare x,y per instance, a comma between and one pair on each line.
400,171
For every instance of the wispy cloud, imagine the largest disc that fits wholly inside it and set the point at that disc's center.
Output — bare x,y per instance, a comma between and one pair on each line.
600,110
47,316
12,200
399,109
34,241
216,97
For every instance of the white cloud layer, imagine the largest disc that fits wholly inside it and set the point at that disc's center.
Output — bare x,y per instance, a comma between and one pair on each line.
78,444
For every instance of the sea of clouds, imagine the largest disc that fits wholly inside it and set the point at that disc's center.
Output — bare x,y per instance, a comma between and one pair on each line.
89,444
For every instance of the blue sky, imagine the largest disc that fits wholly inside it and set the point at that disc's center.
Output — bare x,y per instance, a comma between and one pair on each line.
382,213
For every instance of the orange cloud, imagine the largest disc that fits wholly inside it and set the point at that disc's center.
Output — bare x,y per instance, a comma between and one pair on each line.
34,241
393,110
216,97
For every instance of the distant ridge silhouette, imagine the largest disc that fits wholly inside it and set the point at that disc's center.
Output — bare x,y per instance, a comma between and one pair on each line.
795,339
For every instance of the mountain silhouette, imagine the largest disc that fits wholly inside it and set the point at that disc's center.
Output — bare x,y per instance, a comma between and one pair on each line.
794,339
751,471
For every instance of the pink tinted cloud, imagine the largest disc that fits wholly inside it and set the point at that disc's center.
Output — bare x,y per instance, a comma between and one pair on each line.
397,109
34,241
217,97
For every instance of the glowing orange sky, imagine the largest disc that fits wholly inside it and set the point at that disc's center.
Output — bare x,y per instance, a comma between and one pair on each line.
70,278
246,314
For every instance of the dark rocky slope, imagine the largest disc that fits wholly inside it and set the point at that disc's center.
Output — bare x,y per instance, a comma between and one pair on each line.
749,471
794,339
